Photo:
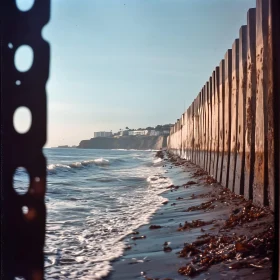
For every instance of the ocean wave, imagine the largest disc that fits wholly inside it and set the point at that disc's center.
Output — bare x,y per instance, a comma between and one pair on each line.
157,161
106,179
159,183
54,168
86,252
95,222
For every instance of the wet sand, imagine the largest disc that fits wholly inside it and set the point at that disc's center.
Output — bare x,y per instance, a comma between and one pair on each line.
156,256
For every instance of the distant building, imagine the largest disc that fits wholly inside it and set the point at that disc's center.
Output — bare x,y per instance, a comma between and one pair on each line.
154,133
138,132
124,133
166,132
102,134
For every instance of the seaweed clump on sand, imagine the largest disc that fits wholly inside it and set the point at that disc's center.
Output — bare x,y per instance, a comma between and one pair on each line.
154,227
203,195
238,251
193,224
159,154
203,206
210,180
189,183
148,278
248,213
224,196
241,251
199,172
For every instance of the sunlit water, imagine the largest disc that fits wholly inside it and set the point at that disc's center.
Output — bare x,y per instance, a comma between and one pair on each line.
95,198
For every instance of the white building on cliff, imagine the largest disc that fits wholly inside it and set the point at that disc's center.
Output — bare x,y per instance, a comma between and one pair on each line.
138,132
102,134
154,133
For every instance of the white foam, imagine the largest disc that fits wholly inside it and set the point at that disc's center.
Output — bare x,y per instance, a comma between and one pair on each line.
158,160
54,166
101,161
58,166
86,252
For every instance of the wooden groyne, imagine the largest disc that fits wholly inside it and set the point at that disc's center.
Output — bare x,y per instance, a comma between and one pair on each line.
228,130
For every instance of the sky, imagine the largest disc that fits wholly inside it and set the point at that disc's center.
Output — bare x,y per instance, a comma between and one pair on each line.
134,63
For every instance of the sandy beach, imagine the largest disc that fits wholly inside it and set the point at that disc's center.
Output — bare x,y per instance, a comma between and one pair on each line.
203,231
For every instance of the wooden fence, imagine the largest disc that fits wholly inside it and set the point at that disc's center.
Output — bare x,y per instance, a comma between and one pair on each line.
228,130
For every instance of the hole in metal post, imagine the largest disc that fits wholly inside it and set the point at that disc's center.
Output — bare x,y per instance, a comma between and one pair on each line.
21,180
22,119
24,5
24,209
18,82
23,58
10,46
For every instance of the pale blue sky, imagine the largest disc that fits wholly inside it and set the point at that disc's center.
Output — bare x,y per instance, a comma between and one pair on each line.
132,62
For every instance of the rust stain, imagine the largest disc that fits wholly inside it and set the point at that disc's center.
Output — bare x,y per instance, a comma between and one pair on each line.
247,161
31,214
37,275
259,168
238,146
37,187
249,120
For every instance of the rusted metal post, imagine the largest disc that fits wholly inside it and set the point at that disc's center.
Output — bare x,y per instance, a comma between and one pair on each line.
23,232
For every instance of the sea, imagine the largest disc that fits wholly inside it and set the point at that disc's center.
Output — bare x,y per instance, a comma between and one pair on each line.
94,199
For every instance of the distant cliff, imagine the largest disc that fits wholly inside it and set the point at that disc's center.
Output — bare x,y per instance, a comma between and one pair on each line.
125,142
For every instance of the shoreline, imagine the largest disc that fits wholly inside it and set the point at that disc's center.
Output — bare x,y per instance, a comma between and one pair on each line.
153,251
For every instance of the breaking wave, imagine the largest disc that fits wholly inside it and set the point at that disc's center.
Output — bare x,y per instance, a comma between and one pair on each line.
93,201
54,168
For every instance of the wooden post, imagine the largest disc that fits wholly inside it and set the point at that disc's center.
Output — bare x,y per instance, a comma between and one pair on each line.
199,129
270,104
227,117
205,127
217,122
234,113
220,174
250,105
194,130
202,154
189,133
260,182
213,127
209,124
240,157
